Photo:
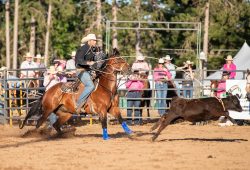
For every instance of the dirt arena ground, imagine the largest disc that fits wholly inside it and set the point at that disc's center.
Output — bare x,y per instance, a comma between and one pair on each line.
180,146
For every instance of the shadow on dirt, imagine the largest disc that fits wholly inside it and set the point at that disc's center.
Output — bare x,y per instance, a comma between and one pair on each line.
205,140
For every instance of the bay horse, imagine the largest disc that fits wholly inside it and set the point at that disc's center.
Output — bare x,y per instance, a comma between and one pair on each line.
102,100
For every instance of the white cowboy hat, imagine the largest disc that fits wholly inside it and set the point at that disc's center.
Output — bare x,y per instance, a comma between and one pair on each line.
52,70
140,57
73,54
167,57
188,62
88,37
161,61
38,56
229,57
28,55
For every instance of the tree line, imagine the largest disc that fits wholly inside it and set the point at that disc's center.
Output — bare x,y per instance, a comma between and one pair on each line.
72,19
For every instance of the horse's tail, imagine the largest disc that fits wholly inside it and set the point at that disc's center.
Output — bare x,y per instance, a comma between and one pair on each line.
36,109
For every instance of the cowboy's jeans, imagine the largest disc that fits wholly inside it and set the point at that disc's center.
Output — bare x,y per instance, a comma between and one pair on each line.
88,86
161,92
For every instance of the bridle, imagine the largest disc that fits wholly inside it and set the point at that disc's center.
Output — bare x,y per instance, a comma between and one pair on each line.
111,70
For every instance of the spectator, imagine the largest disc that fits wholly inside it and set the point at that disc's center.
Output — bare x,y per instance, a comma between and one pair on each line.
221,89
161,77
60,63
38,62
171,69
141,65
71,66
28,64
230,66
50,79
134,86
40,72
221,93
188,76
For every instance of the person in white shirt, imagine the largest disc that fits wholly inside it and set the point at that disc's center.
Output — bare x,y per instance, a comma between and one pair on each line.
28,64
141,65
71,65
41,69
171,68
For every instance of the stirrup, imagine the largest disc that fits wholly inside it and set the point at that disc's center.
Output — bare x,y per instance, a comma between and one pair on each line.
79,108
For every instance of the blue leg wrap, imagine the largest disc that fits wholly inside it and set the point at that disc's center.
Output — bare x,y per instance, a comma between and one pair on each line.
126,128
105,134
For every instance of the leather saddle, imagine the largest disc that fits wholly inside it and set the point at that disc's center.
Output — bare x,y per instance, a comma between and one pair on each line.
71,87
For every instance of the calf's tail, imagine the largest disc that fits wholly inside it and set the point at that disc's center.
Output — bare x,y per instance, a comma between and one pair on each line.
36,109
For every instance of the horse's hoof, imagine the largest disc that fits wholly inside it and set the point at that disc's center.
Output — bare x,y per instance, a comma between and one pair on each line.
106,138
21,124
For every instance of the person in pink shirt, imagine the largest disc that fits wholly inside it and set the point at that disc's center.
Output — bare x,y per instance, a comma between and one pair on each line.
134,86
230,66
221,89
161,76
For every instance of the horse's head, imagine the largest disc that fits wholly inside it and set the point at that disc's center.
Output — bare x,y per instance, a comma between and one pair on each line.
234,103
117,63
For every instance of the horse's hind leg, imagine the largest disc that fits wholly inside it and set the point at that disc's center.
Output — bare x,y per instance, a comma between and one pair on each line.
63,117
42,119
165,120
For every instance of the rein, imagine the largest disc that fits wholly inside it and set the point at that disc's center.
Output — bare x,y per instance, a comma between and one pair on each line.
221,102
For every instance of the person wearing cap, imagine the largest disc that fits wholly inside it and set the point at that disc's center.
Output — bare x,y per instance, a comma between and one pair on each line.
85,58
161,77
230,66
28,64
221,89
71,64
171,68
188,76
134,86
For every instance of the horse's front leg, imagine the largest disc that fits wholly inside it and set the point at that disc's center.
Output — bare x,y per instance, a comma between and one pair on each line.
103,117
115,111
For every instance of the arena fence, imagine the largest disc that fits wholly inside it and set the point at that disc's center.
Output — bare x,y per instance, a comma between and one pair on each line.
17,95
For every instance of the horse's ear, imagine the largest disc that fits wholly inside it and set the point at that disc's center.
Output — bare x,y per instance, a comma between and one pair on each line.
248,71
229,94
